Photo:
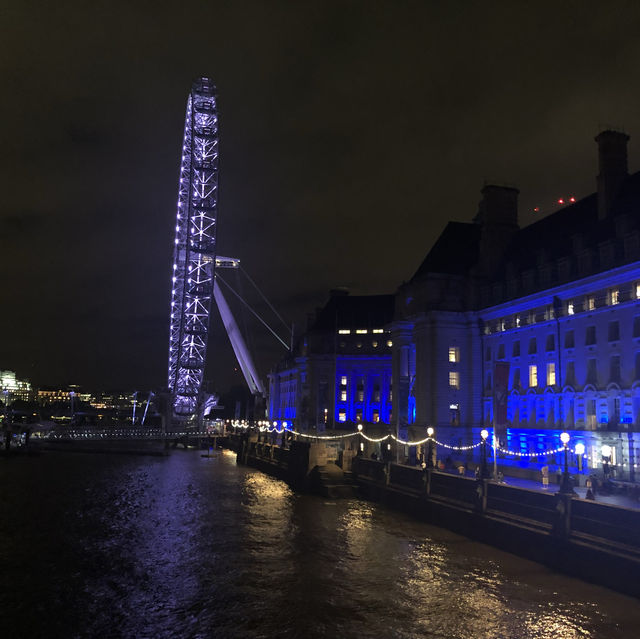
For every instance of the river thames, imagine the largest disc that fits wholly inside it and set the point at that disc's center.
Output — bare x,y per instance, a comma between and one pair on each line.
187,546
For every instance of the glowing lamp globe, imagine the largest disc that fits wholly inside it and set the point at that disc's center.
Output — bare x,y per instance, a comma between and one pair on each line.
430,431
484,433
606,451
579,449
359,428
564,438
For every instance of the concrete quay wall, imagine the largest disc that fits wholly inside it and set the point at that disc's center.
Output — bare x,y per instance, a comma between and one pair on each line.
589,540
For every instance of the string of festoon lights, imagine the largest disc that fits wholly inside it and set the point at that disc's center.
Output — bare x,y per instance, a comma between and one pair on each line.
268,428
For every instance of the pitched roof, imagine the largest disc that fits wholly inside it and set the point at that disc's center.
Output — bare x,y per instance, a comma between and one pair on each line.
360,311
455,251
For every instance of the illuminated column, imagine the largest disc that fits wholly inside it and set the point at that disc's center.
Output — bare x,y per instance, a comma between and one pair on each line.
402,336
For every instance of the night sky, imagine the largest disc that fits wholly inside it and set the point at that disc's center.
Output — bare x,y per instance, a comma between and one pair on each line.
351,132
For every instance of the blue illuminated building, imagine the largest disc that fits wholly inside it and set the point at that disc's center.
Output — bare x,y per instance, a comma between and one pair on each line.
339,374
526,331
544,321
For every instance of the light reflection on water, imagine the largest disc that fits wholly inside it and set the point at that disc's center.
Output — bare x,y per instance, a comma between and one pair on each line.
186,546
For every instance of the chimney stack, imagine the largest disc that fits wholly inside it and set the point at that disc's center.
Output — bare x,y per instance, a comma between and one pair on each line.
612,160
498,216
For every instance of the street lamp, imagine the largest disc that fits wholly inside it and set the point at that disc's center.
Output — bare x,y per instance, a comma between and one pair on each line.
484,471
565,485
579,450
429,448
606,458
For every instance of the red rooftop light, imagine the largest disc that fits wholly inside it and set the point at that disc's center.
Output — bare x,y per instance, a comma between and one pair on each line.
572,199
560,201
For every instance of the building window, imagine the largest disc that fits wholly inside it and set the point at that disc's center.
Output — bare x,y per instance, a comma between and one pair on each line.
389,343
359,415
342,416
502,325
376,393
454,354
636,288
614,331
551,373
343,395
590,338
343,380
500,351
487,354
533,376
614,369
548,312
532,317
533,346
344,331
361,331
516,321
487,383
516,378
613,296
571,373
360,396
454,379
377,330
570,308
515,351
376,416
592,371
551,343
591,303
374,344
569,339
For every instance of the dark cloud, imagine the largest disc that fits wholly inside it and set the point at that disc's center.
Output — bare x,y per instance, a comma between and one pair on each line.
350,133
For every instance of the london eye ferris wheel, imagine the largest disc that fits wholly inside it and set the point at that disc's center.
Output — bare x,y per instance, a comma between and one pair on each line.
194,258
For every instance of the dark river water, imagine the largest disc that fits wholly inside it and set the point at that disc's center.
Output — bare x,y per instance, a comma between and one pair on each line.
185,546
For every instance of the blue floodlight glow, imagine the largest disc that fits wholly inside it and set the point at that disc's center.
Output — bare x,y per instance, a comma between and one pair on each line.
195,249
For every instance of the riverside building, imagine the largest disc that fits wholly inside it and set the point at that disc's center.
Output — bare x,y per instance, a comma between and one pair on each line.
529,331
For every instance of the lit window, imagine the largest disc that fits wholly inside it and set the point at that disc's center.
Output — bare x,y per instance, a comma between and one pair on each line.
361,396
377,330
591,303
551,373
454,379
374,344
343,396
501,325
361,331
376,416
516,321
614,296
454,354
570,309
343,380
389,343
342,416
344,331
532,317
533,376
637,290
